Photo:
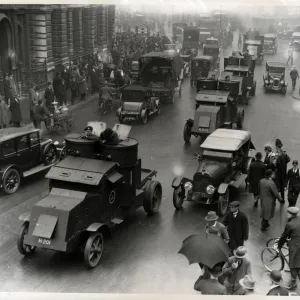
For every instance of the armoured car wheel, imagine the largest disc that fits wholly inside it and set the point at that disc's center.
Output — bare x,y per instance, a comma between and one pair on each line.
187,133
178,197
93,249
26,250
223,202
50,155
63,153
11,181
153,196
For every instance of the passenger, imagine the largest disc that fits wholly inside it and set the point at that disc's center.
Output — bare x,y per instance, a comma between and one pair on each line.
89,133
227,78
212,77
109,137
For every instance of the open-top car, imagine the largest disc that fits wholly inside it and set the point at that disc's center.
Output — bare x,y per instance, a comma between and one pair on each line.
255,48
201,66
137,104
23,152
187,64
274,77
94,188
224,160
270,43
296,41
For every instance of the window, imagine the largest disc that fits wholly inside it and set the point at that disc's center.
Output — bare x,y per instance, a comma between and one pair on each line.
23,143
8,148
34,139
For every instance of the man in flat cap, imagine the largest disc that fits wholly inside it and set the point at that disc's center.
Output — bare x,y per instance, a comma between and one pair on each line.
270,159
237,226
292,232
293,183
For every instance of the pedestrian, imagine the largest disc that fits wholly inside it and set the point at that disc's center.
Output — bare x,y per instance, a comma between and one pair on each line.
215,227
290,55
248,284
294,75
94,81
33,98
74,89
82,86
211,285
293,184
62,93
235,269
256,172
270,158
49,96
268,195
280,168
8,93
40,114
4,113
56,84
277,288
16,115
292,232
237,226
13,84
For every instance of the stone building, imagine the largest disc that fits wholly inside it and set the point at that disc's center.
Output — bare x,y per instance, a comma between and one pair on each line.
37,39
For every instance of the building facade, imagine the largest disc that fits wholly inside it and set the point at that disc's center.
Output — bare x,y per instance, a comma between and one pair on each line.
36,40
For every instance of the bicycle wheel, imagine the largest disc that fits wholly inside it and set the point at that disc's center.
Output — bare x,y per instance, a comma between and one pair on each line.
272,259
271,244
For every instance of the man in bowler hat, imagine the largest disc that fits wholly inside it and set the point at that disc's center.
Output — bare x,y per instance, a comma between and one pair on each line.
293,184
215,227
277,288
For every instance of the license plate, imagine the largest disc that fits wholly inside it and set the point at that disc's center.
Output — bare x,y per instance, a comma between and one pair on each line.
44,242
203,129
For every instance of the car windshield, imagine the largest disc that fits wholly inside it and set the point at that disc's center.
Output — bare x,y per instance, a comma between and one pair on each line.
276,70
268,41
237,73
133,96
215,153
205,64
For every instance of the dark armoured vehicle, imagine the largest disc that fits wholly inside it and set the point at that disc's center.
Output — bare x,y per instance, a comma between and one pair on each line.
224,162
216,106
270,43
255,48
96,186
23,152
274,77
201,67
137,104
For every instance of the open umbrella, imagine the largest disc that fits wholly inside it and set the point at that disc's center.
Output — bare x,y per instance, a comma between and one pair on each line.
206,249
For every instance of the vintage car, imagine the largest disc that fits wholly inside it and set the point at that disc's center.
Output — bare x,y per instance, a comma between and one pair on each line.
95,187
187,64
137,104
216,107
270,43
224,160
296,41
214,51
23,152
239,69
191,37
274,77
135,68
201,66
255,48
162,72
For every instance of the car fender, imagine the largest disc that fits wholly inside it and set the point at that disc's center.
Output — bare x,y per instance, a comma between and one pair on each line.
119,110
190,122
177,181
6,168
95,227
222,188
25,217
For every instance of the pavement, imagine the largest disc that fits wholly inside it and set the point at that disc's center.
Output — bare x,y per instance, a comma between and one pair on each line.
142,255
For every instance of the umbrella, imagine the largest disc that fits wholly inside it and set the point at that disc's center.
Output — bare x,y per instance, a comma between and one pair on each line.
206,249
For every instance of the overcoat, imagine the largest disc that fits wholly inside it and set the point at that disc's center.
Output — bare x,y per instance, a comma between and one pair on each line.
8,91
292,231
210,287
280,172
256,173
268,195
82,85
16,115
4,114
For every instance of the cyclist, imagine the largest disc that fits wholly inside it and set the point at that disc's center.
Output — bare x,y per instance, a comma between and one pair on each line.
105,95
294,75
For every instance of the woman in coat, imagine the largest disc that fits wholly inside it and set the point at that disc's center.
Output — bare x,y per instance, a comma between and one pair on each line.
268,195
4,118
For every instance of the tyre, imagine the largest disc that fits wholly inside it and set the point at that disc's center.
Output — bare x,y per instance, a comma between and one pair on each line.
152,197
50,155
178,197
272,260
25,250
223,202
273,241
62,153
187,133
11,181
93,249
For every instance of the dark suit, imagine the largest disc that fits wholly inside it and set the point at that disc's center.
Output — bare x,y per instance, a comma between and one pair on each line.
49,96
238,229
278,291
220,230
269,161
293,183
256,173
209,287
16,115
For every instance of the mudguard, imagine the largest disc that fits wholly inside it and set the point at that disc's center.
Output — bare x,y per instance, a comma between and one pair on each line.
6,168
190,122
95,227
25,217
222,188
177,181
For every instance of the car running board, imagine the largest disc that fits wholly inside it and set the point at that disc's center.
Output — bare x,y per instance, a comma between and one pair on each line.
37,169
237,183
117,221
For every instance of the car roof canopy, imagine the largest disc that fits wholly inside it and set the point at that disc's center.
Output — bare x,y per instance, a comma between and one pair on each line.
237,68
226,140
203,57
13,132
270,35
276,64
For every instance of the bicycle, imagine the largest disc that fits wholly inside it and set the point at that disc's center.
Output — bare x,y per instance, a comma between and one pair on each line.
273,258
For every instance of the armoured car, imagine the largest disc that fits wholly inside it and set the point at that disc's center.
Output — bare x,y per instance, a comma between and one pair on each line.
224,160
255,48
274,77
137,104
270,43
201,66
95,187
23,152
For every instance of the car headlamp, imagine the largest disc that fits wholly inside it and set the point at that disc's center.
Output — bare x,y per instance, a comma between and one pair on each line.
282,82
210,189
188,186
271,81
234,164
266,81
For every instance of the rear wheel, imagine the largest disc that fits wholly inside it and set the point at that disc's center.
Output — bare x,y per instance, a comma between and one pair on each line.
187,133
178,197
272,260
11,181
50,155
93,249
25,250
153,196
223,202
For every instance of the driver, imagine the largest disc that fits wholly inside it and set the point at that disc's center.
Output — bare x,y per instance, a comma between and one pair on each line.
109,137
89,133
246,54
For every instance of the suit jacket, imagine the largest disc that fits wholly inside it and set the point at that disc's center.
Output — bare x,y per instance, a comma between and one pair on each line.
220,230
210,287
293,179
40,113
269,162
49,96
278,291
7,88
256,173
238,229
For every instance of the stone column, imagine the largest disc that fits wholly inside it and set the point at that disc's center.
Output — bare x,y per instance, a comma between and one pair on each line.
59,35
70,29
111,24
89,27
77,29
101,26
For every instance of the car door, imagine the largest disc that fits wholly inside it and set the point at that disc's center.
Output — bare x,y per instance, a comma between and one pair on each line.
8,153
23,156
35,148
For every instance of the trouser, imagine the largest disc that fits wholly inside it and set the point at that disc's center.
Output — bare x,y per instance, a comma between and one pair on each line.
73,96
94,89
265,224
290,59
293,194
294,82
2,126
16,124
294,273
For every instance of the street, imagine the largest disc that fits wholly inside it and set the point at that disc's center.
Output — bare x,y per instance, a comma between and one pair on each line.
141,256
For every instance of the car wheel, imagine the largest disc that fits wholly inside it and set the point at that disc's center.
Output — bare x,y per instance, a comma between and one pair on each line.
11,181
178,197
50,155
93,249
187,133
223,202
25,250
152,197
